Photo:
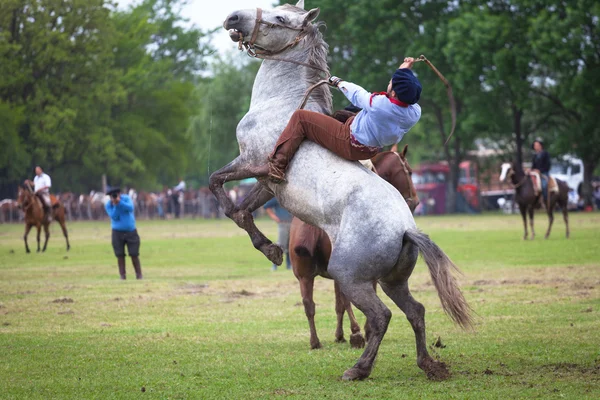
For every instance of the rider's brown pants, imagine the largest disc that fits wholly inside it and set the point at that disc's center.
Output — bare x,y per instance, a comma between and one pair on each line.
321,129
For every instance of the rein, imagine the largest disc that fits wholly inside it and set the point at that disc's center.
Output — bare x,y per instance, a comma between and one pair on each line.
520,183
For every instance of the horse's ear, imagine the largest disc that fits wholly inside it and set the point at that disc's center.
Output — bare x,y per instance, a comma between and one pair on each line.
300,4
311,16
404,150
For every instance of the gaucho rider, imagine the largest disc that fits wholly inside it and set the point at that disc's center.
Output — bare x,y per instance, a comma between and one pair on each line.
541,163
383,121
42,184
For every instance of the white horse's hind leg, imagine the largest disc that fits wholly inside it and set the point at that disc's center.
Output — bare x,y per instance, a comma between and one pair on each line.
415,313
363,296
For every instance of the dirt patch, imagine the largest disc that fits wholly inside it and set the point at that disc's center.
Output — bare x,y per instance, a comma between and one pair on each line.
63,300
572,368
117,299
66,312
6,324
241,293
105,325
488,371
26,292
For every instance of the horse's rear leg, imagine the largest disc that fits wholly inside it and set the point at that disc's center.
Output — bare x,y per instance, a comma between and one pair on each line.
47,235
63,226
415,313
236,171
27,229
39,232
363,296
550,211
531,210
342,305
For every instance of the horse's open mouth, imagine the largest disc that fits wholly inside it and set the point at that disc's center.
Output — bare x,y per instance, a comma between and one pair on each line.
235,35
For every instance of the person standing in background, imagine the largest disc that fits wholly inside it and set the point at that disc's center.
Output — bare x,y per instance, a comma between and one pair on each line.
284,220
120,210
178,191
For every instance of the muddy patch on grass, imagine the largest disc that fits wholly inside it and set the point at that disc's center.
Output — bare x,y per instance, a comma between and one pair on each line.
63,300
564,368
66,312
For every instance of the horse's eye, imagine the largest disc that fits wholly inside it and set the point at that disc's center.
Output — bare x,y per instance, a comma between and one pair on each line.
280,19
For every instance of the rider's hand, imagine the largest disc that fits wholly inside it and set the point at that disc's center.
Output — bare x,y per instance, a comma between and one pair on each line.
408,63
334,81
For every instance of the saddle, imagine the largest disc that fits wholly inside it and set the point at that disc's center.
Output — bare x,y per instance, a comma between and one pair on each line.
536,179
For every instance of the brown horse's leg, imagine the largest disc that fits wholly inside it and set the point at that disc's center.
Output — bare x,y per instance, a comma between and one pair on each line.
46,234
523,209
415,313
63,226
550,211
342,304
340,309
306,290
39,232
27,229
231,172
531,210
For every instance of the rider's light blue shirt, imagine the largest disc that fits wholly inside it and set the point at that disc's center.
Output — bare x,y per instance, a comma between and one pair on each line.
381,122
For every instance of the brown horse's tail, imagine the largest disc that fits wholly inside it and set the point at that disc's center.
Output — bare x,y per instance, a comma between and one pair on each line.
440,266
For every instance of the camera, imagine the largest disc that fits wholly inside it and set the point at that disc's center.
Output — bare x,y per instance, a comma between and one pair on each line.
114,195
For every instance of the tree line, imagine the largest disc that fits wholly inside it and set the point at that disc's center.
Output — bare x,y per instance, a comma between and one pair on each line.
87,89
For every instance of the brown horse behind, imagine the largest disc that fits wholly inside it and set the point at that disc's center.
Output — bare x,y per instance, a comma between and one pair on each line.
310,250
34,216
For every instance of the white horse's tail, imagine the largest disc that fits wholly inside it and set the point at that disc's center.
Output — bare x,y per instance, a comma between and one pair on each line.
440,266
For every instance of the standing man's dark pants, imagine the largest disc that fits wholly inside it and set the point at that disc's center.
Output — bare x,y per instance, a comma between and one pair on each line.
176,210
132,240
319,128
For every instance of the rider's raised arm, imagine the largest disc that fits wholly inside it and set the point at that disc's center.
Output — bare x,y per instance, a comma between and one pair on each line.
356,94
126,204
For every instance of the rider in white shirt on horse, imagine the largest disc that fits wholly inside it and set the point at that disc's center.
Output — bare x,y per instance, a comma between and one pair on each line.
41,186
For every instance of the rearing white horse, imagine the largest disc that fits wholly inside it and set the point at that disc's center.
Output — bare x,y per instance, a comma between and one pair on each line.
371,228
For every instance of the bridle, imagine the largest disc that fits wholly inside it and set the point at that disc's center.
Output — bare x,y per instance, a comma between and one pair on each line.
257,52
414,197
510,174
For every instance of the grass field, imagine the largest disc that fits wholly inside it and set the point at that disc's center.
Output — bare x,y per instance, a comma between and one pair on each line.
210,320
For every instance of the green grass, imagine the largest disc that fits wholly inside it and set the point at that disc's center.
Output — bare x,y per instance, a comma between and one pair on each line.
210,320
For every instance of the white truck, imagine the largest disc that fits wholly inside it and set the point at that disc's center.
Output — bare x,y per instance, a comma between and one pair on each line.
570,170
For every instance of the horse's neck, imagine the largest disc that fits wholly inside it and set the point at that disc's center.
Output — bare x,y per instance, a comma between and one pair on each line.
284,82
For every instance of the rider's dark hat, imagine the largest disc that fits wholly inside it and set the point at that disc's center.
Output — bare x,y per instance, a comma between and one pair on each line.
406,85
113,189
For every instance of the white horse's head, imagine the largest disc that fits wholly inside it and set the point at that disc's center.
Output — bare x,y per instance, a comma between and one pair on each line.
506,167
288,21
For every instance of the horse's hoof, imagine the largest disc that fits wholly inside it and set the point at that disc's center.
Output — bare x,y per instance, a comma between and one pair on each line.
435,370
316,346
273,252
38,250
355,374
27,251
340,340
357,341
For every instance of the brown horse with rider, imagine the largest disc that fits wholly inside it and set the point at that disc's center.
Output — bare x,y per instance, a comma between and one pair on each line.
32,207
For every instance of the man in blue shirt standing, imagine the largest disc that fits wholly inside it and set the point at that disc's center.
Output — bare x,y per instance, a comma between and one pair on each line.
284,221
120,210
